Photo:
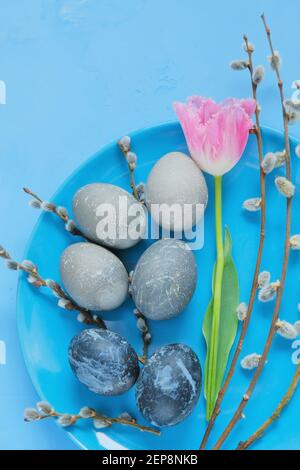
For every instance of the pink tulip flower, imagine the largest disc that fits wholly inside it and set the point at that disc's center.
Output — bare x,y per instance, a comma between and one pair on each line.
216,134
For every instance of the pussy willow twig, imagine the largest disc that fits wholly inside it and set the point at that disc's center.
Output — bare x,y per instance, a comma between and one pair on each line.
125,147
60,212
275,415
254,287
67,420
273,328
36,280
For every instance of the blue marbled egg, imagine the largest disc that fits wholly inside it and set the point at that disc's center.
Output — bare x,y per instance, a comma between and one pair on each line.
169,385
164,279
103,361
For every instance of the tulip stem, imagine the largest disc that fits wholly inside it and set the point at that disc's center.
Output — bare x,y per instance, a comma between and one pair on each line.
217,293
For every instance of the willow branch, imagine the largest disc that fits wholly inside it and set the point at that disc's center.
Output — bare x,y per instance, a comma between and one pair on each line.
275,415
36,280
67,420
254,286
60,212
286,252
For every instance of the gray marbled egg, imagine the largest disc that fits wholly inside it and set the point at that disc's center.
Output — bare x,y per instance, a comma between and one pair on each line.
103,361
164,279
109,215
93,276
169,385
176,179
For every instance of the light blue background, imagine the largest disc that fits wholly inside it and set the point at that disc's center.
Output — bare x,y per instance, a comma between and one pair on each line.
80,73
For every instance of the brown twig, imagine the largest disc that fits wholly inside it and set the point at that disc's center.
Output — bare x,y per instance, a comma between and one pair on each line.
36,280
273,327
275,415
67,420
60,212
254,287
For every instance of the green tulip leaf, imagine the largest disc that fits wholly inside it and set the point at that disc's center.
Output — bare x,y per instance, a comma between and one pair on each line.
227,329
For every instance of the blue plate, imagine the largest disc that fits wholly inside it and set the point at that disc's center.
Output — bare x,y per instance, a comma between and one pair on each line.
46,330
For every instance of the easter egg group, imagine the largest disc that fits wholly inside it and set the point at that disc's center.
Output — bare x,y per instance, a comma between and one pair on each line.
161,285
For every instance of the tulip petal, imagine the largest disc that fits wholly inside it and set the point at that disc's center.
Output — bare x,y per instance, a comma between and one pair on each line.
216,134
248,105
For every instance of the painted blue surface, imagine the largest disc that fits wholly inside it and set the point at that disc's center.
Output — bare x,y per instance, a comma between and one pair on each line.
80,73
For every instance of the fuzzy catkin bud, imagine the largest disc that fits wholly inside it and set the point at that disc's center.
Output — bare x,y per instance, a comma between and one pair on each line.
285,186
242,311
297,151
292,110
80,318
275,60
147,338
125,143
131,160
64,303
44,407
62,211
286,329
126,416
251,361
34,204
293,116
70,226
280,158
141,324
140,189
66,420
291,105
268,292
87,412
269,162
31,414
258,75
239,65
253,204
99,424
28,265
295,242
31,279
264,279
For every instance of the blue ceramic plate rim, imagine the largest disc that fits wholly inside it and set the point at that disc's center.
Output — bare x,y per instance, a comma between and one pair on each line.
163,127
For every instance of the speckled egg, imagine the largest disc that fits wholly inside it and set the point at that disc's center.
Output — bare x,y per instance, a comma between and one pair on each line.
93,276
103,361
169,385
176,179
164,279
109,215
